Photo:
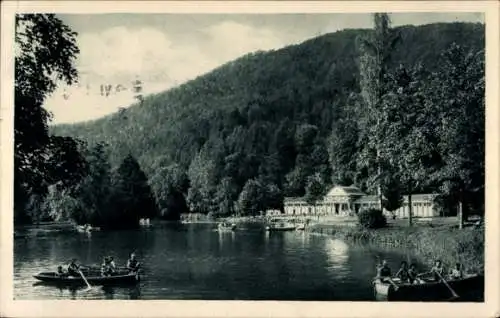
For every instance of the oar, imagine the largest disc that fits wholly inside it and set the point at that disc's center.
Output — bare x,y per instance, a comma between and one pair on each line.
393,283
85,280
396,287
455,295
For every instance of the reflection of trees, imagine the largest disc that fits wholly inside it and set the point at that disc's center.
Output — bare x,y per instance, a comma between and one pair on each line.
226,240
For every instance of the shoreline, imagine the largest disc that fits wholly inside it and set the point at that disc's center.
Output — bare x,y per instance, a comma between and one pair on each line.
448,244
427,240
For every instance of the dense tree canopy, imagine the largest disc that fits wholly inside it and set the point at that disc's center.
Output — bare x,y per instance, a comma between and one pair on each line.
45,51
294,121
131,197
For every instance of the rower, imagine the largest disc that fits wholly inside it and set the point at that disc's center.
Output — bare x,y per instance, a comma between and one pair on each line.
383,271
133,264
108,266
403,272
60,271
456,273
437,271
73,268
112,264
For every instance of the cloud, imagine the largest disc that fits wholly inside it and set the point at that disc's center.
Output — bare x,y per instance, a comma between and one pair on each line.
119,52
118,55
229,40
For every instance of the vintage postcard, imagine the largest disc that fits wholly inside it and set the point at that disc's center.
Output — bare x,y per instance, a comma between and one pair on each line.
249,159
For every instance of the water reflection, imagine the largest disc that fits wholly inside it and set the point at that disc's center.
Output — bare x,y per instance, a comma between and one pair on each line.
337,252
226,239
195,262
304,239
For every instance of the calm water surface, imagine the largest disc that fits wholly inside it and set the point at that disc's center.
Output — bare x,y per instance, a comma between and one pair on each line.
196,262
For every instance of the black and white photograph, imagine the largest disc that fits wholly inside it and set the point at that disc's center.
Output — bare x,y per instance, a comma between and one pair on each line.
325,156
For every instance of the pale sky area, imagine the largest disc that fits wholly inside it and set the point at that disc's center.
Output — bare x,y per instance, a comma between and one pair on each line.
165,50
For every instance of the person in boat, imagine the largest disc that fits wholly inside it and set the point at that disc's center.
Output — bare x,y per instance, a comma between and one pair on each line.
402,273
436,271
61,272
108,266
133,264
384,271
73,268
456,272
413,276
112,263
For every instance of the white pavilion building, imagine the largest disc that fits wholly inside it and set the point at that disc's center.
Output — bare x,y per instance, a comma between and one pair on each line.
349,200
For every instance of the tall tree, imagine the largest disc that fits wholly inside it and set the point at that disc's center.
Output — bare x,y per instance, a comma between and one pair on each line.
408,137
202,178
342,143
132,197
225,197
170,185
374,62
252,197
95,189
315,188
44,55
458,107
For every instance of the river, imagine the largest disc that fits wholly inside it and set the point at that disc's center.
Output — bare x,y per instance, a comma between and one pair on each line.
196,262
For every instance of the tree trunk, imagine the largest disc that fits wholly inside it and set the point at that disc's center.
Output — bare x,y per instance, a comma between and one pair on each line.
460,215
410,209
379,187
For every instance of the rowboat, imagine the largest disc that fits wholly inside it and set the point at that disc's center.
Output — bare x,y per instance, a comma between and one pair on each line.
94,278
300,227
428,290
225,227
278,227
87,228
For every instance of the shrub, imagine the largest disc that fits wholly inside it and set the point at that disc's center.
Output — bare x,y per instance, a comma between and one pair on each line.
372,219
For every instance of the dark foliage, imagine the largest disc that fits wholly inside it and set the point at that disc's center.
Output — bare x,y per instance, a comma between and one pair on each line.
45,53
289,120
372,219
131,197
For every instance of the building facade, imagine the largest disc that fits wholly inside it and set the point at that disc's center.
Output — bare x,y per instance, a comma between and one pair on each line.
348,201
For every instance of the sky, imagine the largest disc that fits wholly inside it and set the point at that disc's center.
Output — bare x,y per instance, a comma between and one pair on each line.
165,50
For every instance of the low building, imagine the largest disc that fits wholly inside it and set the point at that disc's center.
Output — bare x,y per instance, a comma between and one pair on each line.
345,201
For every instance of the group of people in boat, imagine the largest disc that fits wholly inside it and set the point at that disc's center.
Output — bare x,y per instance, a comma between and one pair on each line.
108,267
409,274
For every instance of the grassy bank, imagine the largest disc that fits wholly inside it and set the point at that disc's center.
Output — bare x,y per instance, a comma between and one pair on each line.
428,243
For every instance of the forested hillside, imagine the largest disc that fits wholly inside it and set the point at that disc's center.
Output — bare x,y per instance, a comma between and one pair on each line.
287,122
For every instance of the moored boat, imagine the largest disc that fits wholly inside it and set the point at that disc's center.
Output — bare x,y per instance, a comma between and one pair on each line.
428,290
277,227
300,227
87,228
95,278
226,227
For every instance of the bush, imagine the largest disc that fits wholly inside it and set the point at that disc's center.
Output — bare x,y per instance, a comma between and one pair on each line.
372,219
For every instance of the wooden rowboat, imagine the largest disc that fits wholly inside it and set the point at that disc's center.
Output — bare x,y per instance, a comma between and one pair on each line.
300,227
87,228
429,290
224,227
280,227
93,279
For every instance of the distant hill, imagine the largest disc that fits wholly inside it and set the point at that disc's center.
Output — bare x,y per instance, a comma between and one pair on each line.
259,105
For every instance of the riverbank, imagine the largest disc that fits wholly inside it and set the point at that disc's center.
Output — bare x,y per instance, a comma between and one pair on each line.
447,243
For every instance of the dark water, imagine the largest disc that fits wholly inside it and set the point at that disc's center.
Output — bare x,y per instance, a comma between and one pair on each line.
196,262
